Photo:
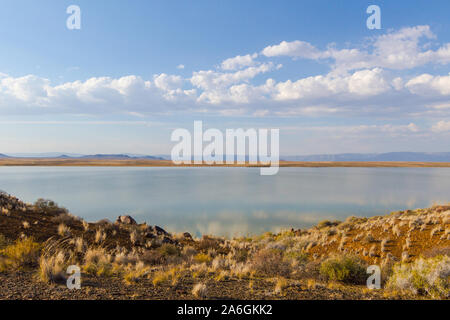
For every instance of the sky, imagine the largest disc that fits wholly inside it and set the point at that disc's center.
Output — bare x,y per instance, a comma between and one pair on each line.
137,70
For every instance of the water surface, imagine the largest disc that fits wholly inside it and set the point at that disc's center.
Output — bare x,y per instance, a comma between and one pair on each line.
229,201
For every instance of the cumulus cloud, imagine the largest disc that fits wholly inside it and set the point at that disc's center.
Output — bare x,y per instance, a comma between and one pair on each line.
297,48
360,80
426,84
360,83
441,126
397,50
239,62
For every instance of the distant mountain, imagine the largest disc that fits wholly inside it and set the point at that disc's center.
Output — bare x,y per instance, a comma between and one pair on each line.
44,155
119,157
58,155
390,156
361,157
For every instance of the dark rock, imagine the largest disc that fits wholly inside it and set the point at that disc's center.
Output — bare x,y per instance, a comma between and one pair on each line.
167,240
126,220
187,235
160,230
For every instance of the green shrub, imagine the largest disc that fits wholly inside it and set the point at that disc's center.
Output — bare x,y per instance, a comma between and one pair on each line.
347,269
428,277
23,253
49,207
168,249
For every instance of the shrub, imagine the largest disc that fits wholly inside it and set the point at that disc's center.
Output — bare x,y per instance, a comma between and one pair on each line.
135,273
202,258
153,257
270,262
347,269
66,218
424,276
98,262
168,249
49,206
208,243
23,253
327,223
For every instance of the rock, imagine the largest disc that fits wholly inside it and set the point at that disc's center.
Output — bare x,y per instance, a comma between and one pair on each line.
126,220
160,230
167,240
187,235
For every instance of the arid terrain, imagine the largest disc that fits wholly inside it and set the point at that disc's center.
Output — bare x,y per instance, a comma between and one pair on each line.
126,260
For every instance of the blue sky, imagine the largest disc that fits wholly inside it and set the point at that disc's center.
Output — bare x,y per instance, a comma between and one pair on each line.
139,69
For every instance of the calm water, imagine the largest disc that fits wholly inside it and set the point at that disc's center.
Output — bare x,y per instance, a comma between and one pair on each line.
229,201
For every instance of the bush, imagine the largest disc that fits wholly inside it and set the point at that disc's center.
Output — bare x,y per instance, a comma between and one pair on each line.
347,269
168,249
49,207
270,262
202,258
429,277
327,223
23,253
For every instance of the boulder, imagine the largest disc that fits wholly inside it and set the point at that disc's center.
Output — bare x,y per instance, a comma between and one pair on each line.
126,220
160,230
187,235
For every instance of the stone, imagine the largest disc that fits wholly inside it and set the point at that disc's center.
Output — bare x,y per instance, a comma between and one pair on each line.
126,220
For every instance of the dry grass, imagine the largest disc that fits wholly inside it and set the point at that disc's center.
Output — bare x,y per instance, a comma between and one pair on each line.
23,253
200,291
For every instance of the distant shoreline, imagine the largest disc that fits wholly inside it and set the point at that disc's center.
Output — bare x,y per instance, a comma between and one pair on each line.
48,162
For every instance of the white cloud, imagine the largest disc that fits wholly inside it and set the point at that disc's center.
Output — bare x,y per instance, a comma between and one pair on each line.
239,62
360,83
395,50
180,66
426,84
299,49
441,126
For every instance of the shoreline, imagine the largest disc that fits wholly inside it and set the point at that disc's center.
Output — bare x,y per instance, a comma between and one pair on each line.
55,162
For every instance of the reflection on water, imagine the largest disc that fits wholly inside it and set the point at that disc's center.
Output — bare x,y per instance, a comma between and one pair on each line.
229,201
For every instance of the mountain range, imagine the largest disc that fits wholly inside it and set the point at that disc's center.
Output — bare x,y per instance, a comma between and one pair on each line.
360,157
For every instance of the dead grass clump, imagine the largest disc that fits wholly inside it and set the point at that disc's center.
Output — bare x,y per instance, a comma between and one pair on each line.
100,236
200,290
63,230
66,218
153,257
97,261
271,263
136,272
208,243
52,269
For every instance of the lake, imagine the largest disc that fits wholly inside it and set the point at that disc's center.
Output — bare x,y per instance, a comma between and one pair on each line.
229,201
